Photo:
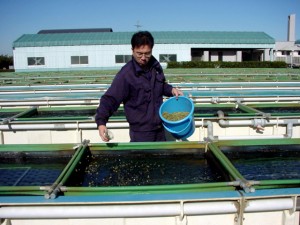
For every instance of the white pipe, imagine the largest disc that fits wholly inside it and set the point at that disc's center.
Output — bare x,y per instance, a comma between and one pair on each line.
202,99
52,91
211,137
289,130
117,211
142,210
262,88
103,89
257,88
250,122
196,99
223,85
210,208
200,123
59,86
73,125
255,121
1,138
60,126
50,102
195,89
92,125
174,83
269,204
273,99
235,83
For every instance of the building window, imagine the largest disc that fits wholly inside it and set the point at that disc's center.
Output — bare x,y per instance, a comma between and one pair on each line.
167,58
36,61
79,60
286,53
123,58
220,56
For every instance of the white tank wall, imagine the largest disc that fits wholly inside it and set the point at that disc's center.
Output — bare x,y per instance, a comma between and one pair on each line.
14,134
269,218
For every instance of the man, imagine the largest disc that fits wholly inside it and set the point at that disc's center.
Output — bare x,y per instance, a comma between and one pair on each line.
140,85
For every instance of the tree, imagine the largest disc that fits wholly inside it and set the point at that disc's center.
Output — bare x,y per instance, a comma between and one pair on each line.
6,61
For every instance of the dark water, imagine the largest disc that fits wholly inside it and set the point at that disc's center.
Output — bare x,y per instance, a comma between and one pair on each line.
147,169
214,111
266,162
20,169
65,113
4,115
30,175
132,168
71,113
280,110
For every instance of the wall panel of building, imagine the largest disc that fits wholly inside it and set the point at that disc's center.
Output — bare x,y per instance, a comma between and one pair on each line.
104,56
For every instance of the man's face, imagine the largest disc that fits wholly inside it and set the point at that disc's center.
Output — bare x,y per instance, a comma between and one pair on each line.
142,54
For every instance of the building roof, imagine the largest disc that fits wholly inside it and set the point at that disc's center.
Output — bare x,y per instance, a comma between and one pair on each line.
86,30
286,46
162,37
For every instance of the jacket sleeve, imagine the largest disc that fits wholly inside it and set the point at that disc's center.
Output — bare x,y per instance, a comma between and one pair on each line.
168,90
111,100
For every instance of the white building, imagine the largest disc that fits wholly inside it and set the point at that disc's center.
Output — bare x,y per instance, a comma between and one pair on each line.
289,51
90,49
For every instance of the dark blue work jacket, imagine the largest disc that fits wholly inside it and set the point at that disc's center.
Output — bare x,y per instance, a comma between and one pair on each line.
141,93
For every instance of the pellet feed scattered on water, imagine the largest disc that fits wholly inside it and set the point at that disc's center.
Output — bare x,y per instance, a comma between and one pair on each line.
175,116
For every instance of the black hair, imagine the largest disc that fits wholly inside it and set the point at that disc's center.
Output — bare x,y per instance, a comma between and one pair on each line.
142,38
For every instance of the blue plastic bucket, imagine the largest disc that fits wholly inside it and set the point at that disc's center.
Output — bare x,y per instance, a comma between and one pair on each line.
185,127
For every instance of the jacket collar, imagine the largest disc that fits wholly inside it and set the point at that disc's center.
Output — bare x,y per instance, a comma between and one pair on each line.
153,64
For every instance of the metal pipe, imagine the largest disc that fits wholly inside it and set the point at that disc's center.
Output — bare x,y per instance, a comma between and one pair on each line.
54,188
19,188
225,162
252,110
260,122
28,111
239,179
154,188
279,182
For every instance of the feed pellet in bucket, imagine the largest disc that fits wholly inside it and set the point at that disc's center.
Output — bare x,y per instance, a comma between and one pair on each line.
175,116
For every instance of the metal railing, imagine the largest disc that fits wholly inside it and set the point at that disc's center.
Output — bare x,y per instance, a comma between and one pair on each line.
289,59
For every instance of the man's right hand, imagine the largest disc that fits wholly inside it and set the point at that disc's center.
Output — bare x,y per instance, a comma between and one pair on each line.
103,133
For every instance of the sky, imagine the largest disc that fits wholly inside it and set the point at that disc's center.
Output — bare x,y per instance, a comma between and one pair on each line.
20,17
